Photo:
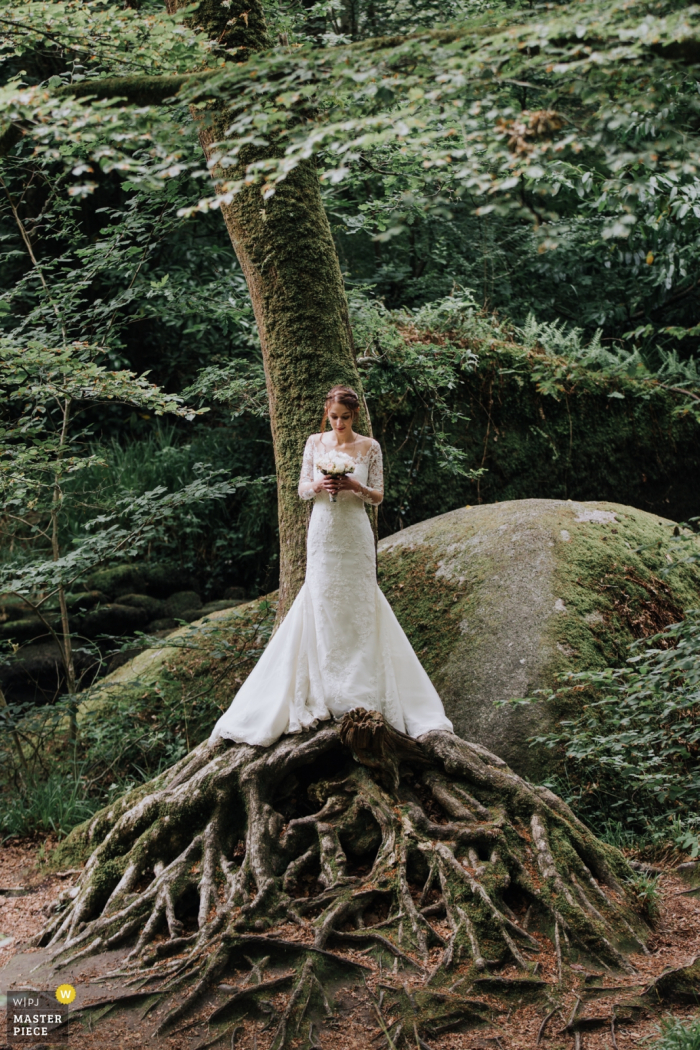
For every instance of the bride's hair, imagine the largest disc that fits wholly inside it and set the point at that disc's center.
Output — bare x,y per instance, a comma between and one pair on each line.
344,395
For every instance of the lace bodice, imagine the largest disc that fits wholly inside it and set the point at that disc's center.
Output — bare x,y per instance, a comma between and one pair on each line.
368,471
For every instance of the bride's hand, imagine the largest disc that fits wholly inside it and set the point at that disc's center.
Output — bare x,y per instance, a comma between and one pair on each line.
349,483
329,484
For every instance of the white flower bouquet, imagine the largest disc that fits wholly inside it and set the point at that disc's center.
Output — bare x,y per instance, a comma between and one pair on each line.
335,465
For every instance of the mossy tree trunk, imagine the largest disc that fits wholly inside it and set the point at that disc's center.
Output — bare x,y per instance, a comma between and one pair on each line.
286,251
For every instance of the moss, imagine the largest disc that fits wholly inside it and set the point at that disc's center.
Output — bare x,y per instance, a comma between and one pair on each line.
429,607
607,578
678,986
73,850
107,875
84,838
138,90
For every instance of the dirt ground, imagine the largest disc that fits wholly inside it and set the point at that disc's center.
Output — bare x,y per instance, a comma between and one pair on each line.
514,1026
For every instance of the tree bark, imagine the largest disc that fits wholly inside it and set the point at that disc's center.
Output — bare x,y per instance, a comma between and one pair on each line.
286,251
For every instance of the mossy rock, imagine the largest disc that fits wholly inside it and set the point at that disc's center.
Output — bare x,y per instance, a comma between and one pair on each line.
117,580
114,619
12,608
141,578
163,579
677,986
23,630
499,599
180,603
82,600
152,606
223,603
186,657
34,674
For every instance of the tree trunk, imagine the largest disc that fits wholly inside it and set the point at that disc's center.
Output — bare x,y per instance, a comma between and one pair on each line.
286,251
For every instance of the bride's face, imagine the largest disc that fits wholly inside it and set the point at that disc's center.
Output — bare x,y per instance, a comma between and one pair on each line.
340,417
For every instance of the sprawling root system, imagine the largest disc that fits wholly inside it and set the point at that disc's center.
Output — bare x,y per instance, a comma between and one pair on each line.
425,855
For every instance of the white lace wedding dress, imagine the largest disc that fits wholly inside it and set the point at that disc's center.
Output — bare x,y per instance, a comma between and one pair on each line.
340,645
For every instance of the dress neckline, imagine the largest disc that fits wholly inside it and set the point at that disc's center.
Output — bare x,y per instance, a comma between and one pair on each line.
339,448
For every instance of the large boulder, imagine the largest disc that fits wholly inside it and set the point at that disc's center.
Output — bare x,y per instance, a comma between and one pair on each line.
496,600
200,665
499,599
34,674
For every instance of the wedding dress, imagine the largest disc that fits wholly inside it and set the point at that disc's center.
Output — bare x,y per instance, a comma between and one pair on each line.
340,645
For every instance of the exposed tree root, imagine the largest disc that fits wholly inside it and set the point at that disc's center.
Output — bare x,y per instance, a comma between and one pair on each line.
427,854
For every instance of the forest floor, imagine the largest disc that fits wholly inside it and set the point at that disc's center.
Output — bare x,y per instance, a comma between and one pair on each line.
514,1025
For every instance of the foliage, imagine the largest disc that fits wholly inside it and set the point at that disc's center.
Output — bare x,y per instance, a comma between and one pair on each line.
92,35
148,288
220,541
647,894
44,806
44,390
529,420
677,1034
127,736
632,753
399,367
436,93
239,384
132,281
683,548
560,142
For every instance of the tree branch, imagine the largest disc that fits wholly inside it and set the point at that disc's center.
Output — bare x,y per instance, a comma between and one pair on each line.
138,90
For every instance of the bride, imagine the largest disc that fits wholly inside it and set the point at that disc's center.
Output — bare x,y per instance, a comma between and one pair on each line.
340,645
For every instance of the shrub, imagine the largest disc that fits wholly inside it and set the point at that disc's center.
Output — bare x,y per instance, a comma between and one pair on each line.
675,1034
633,754
128,730
56,804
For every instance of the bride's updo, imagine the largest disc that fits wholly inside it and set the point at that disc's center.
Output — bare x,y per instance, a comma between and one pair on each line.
343,395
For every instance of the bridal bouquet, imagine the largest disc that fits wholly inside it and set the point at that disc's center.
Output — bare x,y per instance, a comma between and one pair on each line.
336,465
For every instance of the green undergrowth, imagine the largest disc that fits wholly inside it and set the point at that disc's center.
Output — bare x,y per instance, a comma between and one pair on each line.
132,725
646,894
632,753
453,390
55,805
677,1034
229,541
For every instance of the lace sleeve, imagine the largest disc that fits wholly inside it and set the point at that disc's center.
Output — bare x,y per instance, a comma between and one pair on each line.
373,491
306,481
